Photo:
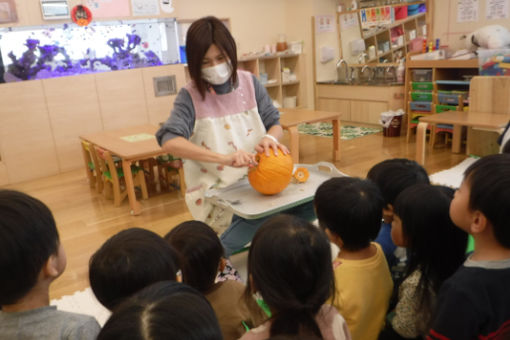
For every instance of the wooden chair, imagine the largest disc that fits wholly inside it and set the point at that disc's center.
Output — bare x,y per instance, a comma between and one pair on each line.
487,95
113,177
169,168
92,166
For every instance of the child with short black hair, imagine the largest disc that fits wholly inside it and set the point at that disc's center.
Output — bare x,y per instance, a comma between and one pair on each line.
392,176
436,249
289,267
200,259
349,210
31,258
474,302
129,261
164,310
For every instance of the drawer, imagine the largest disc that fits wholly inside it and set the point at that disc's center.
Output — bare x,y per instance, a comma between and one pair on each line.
443,108
421,96
449,99
421,106
422,86
421,75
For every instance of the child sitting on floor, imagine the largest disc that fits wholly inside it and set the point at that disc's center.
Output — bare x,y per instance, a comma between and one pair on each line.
200,259
349,210
289,266
129,261
436,249
162,311
474,302
31,258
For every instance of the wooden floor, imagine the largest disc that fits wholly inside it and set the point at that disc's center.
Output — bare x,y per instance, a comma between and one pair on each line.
85,219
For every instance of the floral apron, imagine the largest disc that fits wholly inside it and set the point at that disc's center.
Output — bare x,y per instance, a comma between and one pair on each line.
224,123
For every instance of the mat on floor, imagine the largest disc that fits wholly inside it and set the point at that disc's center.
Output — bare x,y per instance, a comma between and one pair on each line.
326,130
452,177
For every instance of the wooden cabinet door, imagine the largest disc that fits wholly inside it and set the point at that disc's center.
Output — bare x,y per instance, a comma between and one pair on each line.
336,105
367,111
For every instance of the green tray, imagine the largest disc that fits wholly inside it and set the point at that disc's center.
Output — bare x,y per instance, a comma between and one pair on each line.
422,86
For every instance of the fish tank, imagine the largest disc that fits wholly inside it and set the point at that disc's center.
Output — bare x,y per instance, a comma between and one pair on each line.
50,51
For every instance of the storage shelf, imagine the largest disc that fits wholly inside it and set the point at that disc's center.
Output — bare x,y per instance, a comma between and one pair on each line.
392,25
271,84
293,82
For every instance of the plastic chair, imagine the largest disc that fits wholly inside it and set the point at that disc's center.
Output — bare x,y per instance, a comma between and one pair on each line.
113,177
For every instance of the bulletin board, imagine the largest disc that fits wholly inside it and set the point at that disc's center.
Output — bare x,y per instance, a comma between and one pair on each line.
455,18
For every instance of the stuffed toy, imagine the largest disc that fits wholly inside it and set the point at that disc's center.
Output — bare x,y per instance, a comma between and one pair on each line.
488,37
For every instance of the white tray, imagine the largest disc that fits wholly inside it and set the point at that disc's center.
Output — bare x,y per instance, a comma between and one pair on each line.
241,199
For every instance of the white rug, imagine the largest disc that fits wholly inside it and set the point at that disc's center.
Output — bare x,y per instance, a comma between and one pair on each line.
83,302
452,177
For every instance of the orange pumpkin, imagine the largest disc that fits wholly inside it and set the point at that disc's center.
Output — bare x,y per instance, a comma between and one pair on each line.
272,174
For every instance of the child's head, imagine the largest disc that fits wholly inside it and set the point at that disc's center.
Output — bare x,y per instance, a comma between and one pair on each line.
30,249
394,175
422,224
483,199
349,208
200,253
164,310
129,261
289,264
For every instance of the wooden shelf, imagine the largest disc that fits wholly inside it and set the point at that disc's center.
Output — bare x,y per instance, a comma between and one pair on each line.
272,84
445,63
392,25
293,82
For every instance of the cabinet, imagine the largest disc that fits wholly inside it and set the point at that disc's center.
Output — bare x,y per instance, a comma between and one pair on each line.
434,86
386,40
359,104
281,76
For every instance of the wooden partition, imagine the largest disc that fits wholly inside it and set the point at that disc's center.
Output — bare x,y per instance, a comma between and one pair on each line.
42,119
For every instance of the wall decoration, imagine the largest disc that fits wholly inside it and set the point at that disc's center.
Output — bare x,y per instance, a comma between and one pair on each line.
167,6
8,11
496,9
467,10
145,7
109,8
81,15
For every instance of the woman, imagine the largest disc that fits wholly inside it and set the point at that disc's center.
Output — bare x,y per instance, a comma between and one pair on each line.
218,120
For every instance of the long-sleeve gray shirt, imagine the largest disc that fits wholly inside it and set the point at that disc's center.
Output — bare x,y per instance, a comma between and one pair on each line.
47,323
182,119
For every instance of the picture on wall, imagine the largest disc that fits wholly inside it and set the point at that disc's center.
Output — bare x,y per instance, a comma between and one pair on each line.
8,11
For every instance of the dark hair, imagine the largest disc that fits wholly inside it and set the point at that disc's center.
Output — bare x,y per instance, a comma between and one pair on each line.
435,246
129,261
489,182
351,208
394,175
200,252
290,264
28,237
201,35
164,310
506,147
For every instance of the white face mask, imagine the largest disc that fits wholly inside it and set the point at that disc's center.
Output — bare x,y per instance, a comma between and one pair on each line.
218,74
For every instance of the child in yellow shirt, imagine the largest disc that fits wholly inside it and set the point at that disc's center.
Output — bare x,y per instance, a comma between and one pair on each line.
350,211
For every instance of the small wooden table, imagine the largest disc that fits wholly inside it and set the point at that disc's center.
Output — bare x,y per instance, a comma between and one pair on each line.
291,118
130,144
490,121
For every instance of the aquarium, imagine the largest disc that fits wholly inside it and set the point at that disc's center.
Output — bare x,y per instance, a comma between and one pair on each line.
51,51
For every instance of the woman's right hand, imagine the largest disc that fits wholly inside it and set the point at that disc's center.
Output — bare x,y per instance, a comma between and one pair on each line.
240,159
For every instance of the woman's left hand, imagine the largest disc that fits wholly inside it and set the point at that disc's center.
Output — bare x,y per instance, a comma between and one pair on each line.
267,143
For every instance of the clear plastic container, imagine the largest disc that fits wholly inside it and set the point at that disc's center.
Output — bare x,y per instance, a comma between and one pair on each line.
421,75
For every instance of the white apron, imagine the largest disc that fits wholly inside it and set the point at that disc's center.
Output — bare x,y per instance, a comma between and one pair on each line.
224,123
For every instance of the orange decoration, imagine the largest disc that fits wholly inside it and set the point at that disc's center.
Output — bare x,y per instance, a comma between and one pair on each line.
272,174
301,175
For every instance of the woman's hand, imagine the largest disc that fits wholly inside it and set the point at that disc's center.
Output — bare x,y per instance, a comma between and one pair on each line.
240,159
267,143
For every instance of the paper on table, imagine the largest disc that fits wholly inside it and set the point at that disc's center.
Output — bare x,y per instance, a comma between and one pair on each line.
139,137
